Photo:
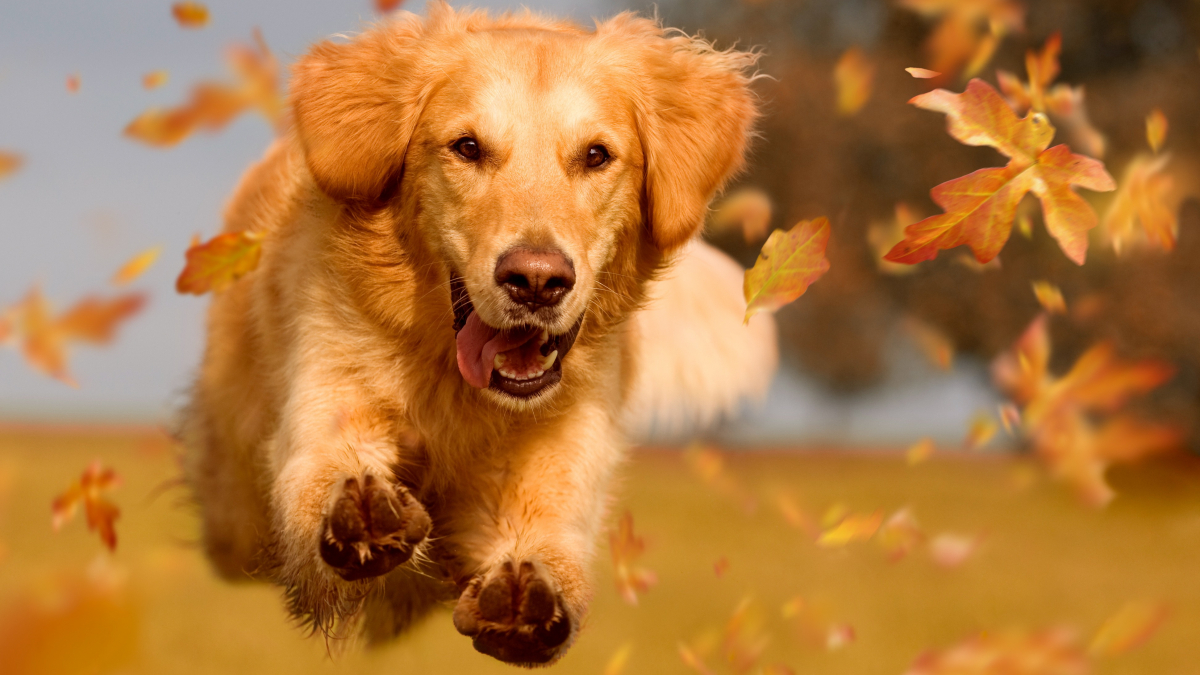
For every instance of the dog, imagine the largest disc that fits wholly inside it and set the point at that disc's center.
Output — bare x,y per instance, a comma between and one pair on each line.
480,267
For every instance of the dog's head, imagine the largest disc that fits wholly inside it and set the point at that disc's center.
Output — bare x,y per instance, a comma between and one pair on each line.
540,164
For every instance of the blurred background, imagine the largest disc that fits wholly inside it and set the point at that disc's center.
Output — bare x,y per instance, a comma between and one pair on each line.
884,420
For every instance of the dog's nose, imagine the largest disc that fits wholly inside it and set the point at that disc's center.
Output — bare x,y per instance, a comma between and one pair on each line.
535,278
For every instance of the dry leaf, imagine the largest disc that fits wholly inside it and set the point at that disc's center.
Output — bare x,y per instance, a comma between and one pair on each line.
9,163
89,490
217,263
1129,628
853,76
616,663
1156,129
136,266
923,73
721,566
981,206
155,79
190,14
935,344
982,430
1146,198
692,660
900,535
854,527
626,549
838,636
952,550
1010,417
749,210
884,236
789,262
968,31
920,451
214,105
1014,652
1050,297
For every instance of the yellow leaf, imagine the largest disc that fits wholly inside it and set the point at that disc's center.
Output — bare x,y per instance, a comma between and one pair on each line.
923,73
154,79
854,77
983,429
136,266
616,663
854,527
217,263
748,210
190,14
1156,129
1050,297
1129,628
9,163
920,451
789,262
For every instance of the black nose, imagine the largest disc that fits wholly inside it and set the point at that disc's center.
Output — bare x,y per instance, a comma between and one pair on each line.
535,278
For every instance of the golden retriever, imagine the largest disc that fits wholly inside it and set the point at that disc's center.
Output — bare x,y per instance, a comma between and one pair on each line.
420,395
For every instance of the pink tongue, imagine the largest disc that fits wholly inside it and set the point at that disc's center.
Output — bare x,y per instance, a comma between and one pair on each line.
478,345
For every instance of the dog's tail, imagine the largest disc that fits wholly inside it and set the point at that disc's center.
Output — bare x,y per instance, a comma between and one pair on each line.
695,360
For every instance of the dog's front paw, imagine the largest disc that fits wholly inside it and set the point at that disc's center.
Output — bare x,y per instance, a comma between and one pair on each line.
514,614
371,528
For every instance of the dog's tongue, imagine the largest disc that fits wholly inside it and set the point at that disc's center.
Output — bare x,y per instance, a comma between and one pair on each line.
478,345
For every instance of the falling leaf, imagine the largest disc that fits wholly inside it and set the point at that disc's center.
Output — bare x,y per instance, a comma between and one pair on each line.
854,76
217,263
1025,225
1144,198
1010,417
692,660
73,83
721,566
982,430
981,206
884,236
748,210
788,263
923,73
190,14
626,549
72,623
1050,297
952,550
154,79
795,516
616,663
900,535
1129,628
136,266
968,31
838,636
854,527
89,490
214,105
1156,129
45,340
920,451
386,6
9,163
1013,652
935,344
1060,414
743,640
1064,104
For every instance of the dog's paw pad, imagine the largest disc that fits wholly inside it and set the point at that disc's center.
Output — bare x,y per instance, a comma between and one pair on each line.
371,528
514,615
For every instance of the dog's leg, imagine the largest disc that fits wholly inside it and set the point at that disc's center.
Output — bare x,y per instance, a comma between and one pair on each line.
530,538
340,517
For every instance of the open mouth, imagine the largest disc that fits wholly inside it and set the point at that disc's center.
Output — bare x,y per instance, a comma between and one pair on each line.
520,362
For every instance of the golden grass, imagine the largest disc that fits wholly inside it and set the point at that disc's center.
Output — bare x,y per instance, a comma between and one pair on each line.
1046,560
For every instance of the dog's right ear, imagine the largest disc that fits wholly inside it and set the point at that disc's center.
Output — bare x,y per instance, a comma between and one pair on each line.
354,107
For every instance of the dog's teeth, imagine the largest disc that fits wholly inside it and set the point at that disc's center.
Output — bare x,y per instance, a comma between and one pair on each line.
545,336
537,374
549,360
498,362
508,373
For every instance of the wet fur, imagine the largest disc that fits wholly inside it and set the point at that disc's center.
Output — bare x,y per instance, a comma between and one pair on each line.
336,357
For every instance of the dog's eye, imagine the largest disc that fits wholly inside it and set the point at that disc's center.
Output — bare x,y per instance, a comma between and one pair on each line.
596,155
467,147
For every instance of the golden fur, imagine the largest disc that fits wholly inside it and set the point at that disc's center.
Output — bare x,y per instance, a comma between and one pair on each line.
332,368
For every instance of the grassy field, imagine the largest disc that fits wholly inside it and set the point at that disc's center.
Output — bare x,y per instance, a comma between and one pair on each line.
1045,560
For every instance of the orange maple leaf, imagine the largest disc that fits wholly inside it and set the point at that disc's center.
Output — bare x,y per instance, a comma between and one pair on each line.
1064,104
190,14
626,549
982,206
213,105
1058,415
217,263
155,79
89,490
385,6
1144,198
9,163
1013,652
968,31
45,340
789,262
854,77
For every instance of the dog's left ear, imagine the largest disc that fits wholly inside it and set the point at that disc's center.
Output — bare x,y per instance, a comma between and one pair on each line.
695,122
355,106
